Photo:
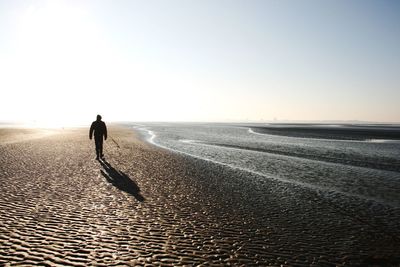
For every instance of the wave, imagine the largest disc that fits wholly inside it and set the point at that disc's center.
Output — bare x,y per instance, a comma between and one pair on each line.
365,163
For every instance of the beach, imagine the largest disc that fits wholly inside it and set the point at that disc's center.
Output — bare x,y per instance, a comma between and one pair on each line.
145,205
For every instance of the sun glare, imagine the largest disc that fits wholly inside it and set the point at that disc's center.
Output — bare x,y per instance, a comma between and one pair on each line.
56,54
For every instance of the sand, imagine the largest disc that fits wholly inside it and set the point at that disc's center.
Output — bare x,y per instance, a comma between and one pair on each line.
338,132
147,206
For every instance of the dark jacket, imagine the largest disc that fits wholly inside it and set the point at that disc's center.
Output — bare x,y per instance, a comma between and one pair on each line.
99,128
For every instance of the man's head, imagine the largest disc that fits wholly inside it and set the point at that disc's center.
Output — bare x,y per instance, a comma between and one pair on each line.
98,118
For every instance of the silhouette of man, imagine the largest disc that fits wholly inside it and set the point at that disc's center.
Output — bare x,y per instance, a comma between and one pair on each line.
100,129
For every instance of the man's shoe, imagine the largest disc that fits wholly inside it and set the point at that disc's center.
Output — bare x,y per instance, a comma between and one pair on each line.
97,158
102,156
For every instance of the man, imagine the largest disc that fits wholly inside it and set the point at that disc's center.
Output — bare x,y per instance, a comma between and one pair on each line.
100,129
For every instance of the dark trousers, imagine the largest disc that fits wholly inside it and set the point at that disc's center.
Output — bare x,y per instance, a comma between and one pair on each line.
98,140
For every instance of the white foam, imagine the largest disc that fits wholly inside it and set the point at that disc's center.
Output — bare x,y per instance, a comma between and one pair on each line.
188,141
253,132
382,141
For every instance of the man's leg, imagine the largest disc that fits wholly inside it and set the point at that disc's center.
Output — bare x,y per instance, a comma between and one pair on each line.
97,143
101,147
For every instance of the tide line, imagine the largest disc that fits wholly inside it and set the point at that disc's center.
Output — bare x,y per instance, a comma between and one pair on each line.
310,138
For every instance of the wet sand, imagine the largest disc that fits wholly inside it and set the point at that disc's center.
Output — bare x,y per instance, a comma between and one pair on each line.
148,206
339,132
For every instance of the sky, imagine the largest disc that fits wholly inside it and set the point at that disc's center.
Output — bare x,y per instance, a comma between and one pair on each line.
64,62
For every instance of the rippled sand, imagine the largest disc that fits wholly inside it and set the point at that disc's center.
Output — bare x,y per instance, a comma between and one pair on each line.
148,206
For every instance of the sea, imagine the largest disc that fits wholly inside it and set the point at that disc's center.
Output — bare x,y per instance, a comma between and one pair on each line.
357,161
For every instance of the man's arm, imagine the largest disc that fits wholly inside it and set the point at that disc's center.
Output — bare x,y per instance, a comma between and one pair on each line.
105,131
91,131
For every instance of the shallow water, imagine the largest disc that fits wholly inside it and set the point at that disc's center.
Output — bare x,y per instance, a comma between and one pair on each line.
366,169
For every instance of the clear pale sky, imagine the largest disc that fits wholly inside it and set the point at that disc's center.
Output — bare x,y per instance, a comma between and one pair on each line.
218,60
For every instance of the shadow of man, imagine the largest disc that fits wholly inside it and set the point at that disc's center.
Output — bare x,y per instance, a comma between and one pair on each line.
120,180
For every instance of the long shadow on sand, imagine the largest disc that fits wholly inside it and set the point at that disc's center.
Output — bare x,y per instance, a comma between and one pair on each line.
120,180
